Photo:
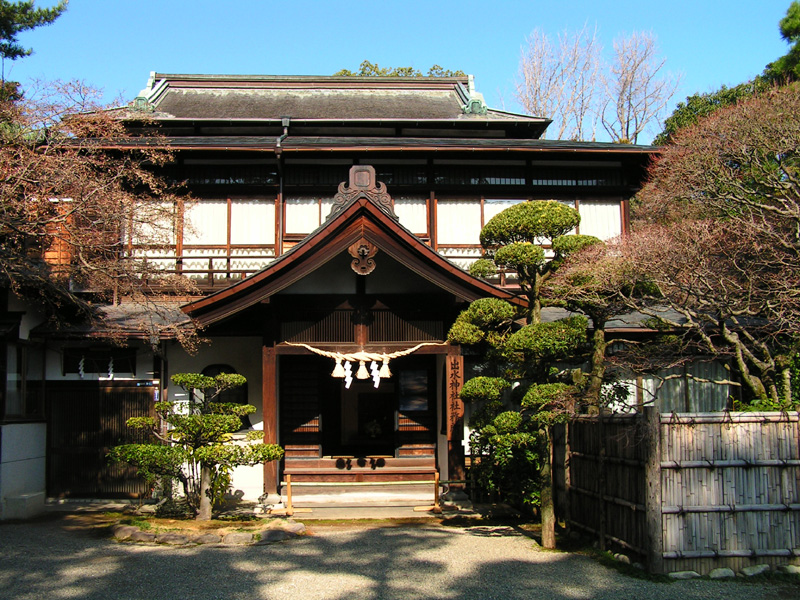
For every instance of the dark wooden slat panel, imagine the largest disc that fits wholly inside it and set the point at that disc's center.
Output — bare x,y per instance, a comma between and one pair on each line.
300,389
84,421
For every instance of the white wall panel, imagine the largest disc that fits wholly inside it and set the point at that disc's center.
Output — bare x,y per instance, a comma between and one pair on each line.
413,214
302,215
206,223
252,222
458,221
601,218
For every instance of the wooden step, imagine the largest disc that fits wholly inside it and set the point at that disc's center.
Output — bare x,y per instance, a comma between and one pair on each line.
360,462
305,475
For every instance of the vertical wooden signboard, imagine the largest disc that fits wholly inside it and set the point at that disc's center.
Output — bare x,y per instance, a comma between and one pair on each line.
455,415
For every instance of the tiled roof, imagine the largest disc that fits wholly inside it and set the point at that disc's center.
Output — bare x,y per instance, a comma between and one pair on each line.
317,98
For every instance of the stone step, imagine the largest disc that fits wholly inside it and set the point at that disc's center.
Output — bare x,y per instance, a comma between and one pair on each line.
370,495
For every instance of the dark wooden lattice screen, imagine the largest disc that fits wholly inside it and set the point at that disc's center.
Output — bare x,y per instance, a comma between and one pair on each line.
84,420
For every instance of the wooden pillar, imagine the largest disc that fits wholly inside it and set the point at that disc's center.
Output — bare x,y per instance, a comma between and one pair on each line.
455,414
269,405
653,517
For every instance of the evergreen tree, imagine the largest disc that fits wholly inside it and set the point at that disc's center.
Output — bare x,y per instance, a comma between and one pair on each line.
370,69
16,17
787,67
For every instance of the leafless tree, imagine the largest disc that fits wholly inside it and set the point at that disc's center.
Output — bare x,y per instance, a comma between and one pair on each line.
717,237
561,81
78,193
637,88
570,82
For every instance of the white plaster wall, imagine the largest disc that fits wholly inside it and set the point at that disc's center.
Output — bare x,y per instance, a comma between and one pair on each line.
22,469
601,218
249,481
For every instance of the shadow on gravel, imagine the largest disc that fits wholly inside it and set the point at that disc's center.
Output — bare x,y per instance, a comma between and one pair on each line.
45,560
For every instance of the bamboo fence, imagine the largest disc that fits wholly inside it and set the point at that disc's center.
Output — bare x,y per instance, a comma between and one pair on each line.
684,491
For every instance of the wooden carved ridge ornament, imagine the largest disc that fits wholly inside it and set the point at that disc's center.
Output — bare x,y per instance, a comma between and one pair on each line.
363,185
362,252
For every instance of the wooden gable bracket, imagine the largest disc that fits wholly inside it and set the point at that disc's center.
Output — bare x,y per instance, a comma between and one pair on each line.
362,186
362,252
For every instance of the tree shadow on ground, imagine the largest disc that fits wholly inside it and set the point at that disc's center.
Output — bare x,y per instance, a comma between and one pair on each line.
45,560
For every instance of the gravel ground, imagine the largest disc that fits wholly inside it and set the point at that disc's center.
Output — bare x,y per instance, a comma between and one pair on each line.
51,559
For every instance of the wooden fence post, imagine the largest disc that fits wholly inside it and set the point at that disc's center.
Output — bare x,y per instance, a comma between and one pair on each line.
601,479
653,517
567,475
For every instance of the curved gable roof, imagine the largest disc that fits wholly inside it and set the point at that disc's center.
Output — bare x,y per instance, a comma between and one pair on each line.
361,215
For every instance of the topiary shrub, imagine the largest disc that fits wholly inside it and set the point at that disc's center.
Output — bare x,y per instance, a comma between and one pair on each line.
529,222
484,389
483,268
547,341
196,446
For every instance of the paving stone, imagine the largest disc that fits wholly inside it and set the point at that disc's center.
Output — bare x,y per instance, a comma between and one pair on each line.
269,536
294,528
238,538
721,573
206,538
123,532
174,539
142,536
789,569
684,574
754,570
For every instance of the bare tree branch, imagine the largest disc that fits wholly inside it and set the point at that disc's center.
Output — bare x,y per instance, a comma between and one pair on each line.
637,90
561,81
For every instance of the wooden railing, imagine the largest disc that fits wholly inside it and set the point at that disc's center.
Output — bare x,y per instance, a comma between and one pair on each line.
218,266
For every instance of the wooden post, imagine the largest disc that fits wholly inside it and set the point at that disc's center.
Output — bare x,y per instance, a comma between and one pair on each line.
289,508
455,414
567,476
436,507
269,405
653,517
601,479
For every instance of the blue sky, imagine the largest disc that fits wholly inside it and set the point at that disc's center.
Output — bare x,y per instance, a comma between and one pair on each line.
114,44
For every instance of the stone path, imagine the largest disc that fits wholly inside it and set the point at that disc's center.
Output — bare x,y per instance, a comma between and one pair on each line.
49,560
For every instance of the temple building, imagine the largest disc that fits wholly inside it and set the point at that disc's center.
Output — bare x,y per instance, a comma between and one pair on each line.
328,228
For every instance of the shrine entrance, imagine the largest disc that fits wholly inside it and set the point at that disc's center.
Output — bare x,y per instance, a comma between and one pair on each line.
366,421
324,416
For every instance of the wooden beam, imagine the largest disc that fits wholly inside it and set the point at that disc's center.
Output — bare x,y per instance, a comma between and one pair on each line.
269,407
